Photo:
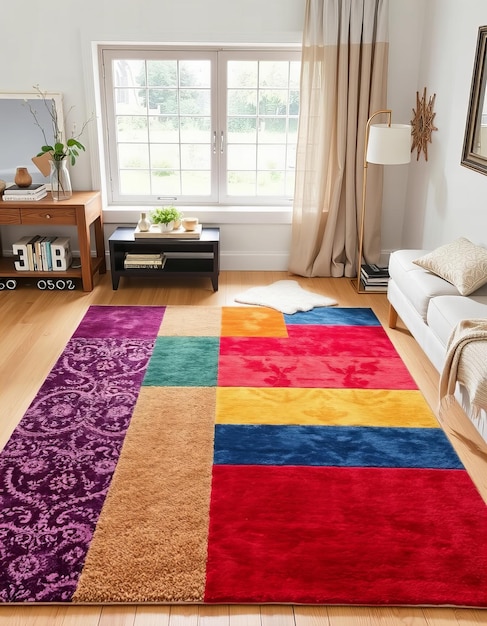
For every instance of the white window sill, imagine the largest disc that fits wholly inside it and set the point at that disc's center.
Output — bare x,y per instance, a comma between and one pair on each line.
208,214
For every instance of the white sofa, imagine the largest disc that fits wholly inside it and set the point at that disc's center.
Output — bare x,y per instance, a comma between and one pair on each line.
431,307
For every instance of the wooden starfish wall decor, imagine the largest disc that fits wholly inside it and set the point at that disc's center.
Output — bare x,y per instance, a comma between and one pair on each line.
422,124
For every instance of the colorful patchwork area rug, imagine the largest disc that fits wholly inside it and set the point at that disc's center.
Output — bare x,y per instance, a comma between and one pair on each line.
236,455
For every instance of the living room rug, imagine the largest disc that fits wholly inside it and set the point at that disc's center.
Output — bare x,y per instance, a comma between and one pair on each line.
236,455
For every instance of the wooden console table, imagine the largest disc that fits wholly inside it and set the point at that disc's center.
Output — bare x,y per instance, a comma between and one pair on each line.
81,210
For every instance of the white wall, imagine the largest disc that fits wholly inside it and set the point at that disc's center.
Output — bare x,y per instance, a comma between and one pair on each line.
444,199
432,45
53,49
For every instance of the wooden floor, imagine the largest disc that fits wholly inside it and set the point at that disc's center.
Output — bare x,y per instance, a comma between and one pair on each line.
34,328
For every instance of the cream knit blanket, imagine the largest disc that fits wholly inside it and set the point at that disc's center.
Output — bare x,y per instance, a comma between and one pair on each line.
466,363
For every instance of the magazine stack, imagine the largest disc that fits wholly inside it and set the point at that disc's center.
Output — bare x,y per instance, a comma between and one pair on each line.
374,278
14,193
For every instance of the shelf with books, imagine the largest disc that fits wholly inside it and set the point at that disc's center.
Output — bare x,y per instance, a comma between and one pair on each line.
39,253
82,211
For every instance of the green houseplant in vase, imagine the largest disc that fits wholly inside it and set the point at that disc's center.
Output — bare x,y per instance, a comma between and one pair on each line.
165,219
60,151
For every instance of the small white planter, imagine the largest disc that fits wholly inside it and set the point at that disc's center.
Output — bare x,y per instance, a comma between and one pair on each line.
162,228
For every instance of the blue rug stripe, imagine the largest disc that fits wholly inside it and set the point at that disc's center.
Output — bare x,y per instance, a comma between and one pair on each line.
333,446
325,316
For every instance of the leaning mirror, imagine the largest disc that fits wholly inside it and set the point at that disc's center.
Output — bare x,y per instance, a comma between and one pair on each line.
20,138
475,144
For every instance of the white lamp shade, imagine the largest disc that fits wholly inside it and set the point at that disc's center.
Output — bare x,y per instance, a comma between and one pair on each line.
389,145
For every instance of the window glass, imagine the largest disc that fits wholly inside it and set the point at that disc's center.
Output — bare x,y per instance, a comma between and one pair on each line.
216,126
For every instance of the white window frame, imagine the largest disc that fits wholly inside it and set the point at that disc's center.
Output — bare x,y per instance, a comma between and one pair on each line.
218,56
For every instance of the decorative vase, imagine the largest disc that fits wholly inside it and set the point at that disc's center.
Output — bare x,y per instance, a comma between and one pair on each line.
60,181
22,177
143,224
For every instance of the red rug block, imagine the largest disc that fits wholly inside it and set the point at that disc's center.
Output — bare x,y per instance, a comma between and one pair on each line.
345,536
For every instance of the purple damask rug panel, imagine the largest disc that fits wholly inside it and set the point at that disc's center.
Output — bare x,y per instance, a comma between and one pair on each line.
136,322
57,466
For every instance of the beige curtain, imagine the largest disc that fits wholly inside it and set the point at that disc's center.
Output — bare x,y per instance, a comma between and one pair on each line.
343,81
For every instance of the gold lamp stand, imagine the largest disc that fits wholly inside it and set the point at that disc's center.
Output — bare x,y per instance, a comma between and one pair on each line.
385,144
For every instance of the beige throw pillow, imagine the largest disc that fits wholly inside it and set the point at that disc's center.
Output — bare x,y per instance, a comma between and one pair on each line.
461,263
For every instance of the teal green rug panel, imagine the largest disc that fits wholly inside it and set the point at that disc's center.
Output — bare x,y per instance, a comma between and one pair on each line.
184,362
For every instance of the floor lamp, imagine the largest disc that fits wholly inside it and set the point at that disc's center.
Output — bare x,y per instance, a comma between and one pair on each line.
385,144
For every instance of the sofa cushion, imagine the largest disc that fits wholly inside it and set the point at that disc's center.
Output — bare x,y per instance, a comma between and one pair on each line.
461,262
416,284
444,313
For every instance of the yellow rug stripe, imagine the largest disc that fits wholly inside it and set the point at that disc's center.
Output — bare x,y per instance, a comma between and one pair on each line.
346,407
252,322
152,535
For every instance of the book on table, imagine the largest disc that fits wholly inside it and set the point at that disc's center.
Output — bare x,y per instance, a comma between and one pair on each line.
35,188
14,193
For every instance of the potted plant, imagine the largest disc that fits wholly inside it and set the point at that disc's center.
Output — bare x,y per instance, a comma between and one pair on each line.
58,151
166,218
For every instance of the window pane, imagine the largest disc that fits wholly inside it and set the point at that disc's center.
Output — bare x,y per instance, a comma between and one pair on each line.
271,183
195,73
272,130
130,101
163,101
273,102
195,130
196,183
241,157
271,157
129,73
273,74
242,74
192,101
242,101
163,129
263,114
164,156
165,183
162,74
131,128
133,155
194,157
241,183
134,182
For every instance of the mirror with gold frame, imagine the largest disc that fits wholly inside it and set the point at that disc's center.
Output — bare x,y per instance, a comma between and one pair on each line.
20,138
475,144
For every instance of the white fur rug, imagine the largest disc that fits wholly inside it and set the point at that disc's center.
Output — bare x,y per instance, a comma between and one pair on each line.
285,296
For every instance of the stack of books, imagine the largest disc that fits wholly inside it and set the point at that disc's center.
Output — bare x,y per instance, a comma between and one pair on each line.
14,193
42,254
133,261
374,278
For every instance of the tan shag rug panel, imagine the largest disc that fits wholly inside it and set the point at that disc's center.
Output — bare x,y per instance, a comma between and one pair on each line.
162,480
191,321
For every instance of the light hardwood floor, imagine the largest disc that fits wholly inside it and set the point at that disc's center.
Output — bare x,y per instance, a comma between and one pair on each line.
34,328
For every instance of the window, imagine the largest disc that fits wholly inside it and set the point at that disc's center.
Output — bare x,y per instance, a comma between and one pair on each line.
196,126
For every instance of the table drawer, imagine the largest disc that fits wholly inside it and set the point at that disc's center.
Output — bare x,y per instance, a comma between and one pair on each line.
48,215
9,216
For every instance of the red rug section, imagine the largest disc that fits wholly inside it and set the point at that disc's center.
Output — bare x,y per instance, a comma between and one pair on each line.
314,356
313,372
264,520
